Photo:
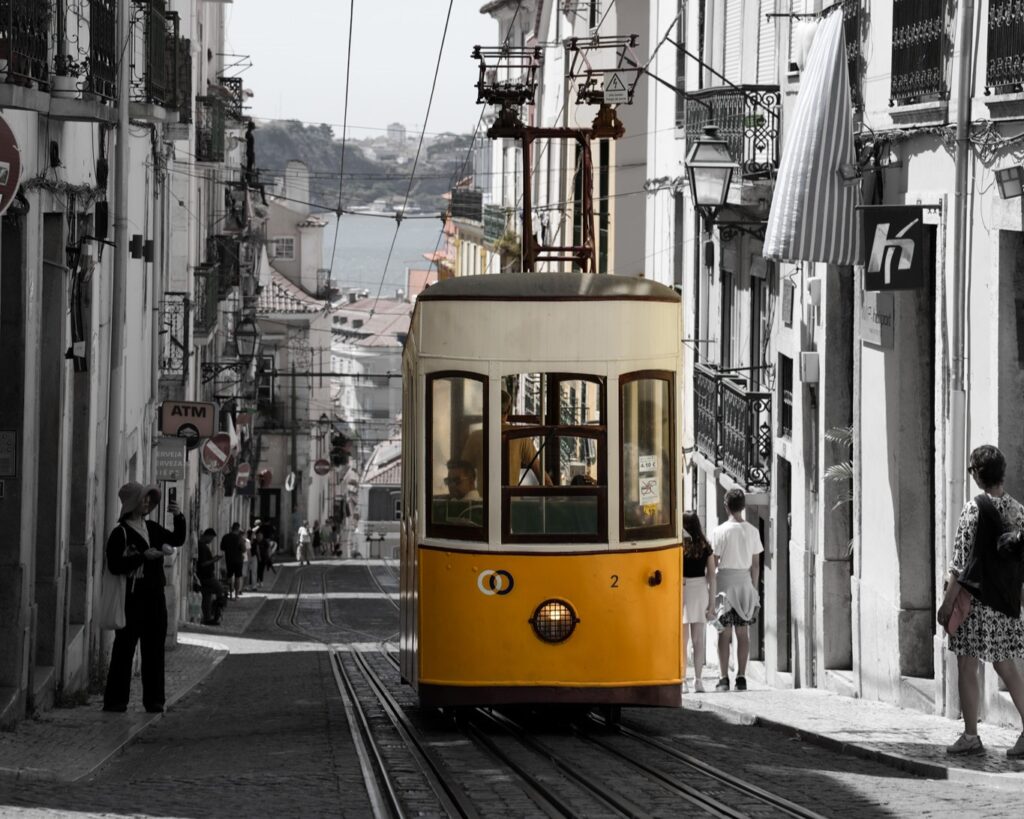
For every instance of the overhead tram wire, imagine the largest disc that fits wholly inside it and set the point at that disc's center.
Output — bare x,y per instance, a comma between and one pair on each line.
472,142
415,162
344,138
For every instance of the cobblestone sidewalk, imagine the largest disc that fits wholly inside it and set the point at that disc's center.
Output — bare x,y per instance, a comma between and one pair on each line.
906,739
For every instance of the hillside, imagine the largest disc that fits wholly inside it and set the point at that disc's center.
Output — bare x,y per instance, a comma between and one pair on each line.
366,179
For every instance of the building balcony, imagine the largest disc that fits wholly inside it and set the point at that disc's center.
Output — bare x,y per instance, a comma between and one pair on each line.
468,205
920,48
154,72
747,118
496,219
732,425
223,251
209,129
232,95
206,313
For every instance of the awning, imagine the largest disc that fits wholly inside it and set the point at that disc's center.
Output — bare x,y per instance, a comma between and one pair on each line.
813,216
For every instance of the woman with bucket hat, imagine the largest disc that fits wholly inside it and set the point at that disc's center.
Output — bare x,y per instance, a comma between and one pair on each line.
136,548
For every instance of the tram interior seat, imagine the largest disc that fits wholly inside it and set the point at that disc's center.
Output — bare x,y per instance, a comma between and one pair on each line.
553,515
457,512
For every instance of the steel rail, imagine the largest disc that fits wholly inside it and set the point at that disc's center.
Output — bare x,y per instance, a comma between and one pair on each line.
453,799
622,805
776,801
385,592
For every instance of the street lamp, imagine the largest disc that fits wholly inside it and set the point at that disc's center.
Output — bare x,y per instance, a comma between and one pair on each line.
709,168
247,339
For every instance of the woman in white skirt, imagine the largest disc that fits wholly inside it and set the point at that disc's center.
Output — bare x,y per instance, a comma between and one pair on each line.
698,592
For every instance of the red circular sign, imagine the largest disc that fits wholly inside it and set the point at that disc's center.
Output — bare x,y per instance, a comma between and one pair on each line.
10,165
322,467
217,452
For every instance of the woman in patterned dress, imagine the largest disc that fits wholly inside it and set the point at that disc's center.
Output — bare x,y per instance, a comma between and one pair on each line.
985,635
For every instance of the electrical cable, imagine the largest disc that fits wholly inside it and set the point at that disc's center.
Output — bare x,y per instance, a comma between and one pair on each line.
344,139
430,102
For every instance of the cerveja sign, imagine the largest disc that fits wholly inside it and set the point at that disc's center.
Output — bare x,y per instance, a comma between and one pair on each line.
187,419
894,247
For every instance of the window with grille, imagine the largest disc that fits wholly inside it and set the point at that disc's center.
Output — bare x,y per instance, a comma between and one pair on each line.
282,247
920,47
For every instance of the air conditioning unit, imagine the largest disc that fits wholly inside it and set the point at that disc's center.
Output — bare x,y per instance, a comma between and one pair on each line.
809,368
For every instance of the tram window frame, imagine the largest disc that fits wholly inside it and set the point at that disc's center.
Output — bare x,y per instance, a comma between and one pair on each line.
661,530
549,424
445,530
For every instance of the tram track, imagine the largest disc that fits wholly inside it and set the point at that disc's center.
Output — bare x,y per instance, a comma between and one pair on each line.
412,767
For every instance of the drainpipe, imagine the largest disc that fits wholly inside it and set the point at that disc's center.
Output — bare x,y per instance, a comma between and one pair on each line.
957,392
115,409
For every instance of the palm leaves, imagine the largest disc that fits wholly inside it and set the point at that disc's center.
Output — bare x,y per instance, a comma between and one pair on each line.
841,474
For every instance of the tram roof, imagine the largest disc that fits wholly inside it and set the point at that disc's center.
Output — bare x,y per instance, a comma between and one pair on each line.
548,287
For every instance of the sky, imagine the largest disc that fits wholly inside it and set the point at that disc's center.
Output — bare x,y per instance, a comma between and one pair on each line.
298,50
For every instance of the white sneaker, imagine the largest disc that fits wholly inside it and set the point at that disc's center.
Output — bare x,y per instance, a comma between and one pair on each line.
686,687
966,746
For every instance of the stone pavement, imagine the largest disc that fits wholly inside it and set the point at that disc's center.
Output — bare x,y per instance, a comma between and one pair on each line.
903,738
68,744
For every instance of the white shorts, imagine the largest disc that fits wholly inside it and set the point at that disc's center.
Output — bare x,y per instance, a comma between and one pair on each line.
695,600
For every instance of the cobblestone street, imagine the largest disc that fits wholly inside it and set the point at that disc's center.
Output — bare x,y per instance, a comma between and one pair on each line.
257,727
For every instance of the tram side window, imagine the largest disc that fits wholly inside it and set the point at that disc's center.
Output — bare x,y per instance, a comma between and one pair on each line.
647,471
457,418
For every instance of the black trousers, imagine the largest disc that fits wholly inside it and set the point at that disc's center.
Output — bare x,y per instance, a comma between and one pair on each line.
214,598
145,624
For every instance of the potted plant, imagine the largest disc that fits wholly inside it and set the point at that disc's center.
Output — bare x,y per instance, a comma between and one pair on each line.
66,80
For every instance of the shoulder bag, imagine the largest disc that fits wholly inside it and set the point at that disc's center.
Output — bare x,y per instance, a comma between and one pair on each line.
110,613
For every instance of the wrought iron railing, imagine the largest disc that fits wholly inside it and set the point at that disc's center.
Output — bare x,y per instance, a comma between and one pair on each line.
234,96
851,30
206,302
222,251
920,47
209,129
495,222
180,58
1005,69
154,79
101,76
174,338
732,425
468,204
24,31
747,118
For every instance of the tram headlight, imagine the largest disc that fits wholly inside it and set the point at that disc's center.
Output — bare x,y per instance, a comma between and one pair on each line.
554,621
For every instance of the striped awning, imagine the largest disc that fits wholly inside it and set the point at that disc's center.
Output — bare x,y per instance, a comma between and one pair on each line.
814,216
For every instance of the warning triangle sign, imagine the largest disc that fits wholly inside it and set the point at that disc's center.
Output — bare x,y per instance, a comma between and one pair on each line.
615,89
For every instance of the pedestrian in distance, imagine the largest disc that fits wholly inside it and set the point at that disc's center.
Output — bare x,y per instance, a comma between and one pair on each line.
335,539
233,548
304,541
136,548
251,561
986,563
214,596
699,584
317,540
736,544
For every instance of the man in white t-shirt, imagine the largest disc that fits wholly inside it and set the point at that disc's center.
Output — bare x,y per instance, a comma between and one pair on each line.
736,544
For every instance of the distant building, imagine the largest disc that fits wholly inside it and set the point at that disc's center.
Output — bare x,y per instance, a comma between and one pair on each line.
397,133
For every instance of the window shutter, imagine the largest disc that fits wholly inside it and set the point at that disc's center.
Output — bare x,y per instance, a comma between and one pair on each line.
766,62
732,59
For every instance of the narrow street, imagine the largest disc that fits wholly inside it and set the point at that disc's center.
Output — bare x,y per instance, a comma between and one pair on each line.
267,734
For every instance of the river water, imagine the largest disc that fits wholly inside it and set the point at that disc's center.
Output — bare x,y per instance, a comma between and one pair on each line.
363,244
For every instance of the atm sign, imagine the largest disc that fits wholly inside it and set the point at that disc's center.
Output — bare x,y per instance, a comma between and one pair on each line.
189,419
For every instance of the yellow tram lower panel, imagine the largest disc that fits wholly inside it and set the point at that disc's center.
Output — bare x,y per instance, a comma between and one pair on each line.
475,632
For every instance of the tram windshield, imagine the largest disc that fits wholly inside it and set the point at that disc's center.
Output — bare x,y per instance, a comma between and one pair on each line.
553,458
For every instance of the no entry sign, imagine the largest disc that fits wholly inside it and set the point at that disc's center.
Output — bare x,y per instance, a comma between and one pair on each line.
217,452
322,467
10,165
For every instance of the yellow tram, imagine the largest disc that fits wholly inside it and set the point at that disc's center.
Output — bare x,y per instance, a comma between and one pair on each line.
541,552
